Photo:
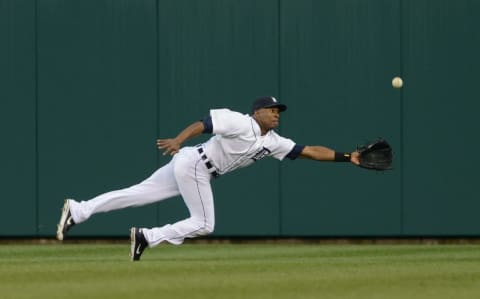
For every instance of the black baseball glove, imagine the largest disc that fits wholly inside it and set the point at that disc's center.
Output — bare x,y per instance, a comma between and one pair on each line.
376,155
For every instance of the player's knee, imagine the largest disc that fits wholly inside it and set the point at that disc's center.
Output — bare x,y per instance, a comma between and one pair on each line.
209,229
205,228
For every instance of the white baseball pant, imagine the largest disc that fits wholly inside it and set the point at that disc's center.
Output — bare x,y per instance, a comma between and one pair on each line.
185,175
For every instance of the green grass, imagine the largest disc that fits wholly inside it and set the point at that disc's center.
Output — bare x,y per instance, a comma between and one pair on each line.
240,271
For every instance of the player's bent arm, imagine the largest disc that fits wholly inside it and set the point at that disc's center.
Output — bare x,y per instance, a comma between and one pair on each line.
191,131
172,145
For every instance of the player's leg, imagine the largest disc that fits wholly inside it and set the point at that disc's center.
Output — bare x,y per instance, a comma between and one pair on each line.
193,182
160,185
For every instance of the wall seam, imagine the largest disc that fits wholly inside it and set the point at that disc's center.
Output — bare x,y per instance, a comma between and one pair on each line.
402,137
157,87
279,87
37,172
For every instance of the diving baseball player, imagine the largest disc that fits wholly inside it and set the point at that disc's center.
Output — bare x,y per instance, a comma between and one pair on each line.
238,141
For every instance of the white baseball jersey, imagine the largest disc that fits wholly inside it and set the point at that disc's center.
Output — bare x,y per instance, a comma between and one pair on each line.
238,141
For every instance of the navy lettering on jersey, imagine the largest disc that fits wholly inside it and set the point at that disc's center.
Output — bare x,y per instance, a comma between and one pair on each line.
264,152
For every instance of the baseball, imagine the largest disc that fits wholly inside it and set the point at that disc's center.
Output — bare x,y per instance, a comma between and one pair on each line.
397,82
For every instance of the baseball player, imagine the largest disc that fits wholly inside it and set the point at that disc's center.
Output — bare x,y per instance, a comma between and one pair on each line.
238,140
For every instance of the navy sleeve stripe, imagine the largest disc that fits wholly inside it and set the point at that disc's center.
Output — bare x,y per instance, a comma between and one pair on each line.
295,152
207,123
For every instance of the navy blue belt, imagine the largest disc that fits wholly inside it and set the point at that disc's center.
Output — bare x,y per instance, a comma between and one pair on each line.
209,165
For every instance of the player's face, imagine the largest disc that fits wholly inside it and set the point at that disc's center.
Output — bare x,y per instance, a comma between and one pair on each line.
268,118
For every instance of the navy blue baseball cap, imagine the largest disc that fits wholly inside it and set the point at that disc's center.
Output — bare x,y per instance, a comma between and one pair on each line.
267,102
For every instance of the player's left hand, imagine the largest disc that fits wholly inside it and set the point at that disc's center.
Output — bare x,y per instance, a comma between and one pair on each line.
171,146
354,158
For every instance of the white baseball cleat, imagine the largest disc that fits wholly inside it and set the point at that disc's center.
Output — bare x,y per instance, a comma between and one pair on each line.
66,221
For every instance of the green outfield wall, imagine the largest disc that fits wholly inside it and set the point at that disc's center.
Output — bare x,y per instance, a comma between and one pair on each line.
87,86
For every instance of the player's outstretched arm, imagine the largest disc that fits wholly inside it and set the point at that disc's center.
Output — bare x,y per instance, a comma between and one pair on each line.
172,145
321,153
